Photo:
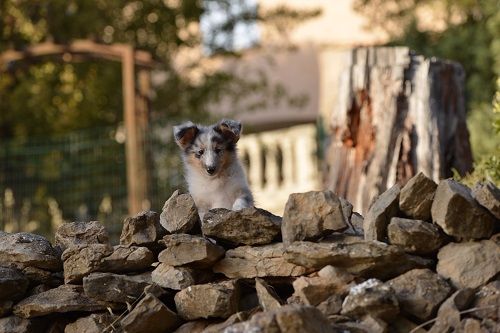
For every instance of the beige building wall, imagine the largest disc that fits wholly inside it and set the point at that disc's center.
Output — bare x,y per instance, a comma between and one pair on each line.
337,28
296,71
337,25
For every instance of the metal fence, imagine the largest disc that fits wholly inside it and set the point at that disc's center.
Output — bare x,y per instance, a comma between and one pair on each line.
80,176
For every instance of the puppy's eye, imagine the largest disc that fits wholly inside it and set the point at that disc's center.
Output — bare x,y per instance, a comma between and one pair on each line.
199,153
217,150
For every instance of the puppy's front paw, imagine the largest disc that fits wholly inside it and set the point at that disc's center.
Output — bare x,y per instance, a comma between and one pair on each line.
241,203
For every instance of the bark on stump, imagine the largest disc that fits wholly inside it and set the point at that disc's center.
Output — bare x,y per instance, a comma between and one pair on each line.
397,113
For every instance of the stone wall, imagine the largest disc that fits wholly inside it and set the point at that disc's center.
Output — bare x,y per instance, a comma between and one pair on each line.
424,253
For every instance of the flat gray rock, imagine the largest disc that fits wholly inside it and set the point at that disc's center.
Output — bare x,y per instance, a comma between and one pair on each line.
487,299
14,324
150,315
125,259
66,298
347,209
259,261
74,233
212,300
311,215
183,249
115,288
81,260
13,284
179,214
488,196
458,214
357,221
371,297
380,213
365,258
448,318
249,226
24,249
368,324
415,236
331,306
238,317
420,292
289,318
470,264
353,220
143,229
415,199
474,325
41,276
329,281
177,278
95,323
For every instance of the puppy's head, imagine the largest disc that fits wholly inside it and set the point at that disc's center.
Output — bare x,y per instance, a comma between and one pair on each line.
208,149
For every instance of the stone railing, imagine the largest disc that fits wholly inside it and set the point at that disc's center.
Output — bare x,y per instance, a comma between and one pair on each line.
280,162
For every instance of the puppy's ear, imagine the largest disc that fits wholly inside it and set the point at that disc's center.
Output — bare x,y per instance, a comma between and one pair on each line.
229,129
185,134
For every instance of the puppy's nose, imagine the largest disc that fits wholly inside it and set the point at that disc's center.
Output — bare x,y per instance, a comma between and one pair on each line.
211,170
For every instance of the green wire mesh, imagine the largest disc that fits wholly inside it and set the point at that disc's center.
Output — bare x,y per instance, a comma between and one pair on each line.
80,176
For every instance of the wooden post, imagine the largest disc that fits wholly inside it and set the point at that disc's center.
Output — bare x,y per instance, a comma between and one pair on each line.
135,189
143,104
144,98
397,114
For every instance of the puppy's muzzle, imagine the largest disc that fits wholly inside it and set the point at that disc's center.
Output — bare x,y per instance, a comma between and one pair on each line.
211,170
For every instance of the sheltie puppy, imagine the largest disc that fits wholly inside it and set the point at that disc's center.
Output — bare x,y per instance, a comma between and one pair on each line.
212,170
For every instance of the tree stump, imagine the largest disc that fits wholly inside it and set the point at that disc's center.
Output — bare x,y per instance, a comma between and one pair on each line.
397,113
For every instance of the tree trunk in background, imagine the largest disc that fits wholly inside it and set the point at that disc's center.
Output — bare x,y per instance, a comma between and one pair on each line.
397,114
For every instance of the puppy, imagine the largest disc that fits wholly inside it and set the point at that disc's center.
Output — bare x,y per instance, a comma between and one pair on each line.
213,172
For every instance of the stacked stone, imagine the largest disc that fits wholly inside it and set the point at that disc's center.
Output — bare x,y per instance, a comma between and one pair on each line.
423,251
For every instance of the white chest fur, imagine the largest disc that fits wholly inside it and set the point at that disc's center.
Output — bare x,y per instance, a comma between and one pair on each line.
216,192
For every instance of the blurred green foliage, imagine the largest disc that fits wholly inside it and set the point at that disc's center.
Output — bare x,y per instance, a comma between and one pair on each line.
488,166
46,97
469,32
